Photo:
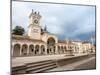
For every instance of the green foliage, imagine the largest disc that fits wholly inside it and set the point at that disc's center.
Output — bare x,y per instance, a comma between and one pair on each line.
18,30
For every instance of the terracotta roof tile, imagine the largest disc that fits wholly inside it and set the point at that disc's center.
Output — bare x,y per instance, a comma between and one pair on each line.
19,37
62,41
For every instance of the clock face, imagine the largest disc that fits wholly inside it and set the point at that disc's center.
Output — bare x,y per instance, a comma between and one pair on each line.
36,21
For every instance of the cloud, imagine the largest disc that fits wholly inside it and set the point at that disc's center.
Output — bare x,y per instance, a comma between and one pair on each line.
66,21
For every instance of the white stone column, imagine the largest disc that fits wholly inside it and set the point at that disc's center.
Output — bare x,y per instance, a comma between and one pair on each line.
64,49
73,49
45,49
34,50
12,50
39,49
67,49
28,50
56,49
20,50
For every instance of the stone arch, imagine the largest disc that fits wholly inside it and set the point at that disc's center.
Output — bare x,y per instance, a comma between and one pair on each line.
42,49
62,51
65,50
37,50
51,45
70,49
59,49
31,49
16,51
51,41
24,49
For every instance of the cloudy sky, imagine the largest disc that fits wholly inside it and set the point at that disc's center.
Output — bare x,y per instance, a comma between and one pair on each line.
66,21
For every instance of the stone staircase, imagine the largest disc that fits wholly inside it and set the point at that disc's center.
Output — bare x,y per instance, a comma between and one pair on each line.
47,65
35,67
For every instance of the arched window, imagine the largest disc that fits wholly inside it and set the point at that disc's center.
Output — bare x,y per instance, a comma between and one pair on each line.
31,49
65,49
51,45
62,49
37,49
51,41
16,51
42,49
59,49
24,49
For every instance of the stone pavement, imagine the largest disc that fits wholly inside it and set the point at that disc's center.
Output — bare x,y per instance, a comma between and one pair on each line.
72,66
18,61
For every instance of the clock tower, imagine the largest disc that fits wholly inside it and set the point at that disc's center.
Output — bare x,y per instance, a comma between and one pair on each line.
34,29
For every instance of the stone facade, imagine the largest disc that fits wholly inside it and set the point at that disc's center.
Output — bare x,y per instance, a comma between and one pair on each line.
42,42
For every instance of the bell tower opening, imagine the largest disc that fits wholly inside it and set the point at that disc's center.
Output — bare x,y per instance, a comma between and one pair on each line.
34,18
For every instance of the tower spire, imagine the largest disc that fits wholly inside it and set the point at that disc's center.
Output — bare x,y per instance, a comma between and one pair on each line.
32,10
45,28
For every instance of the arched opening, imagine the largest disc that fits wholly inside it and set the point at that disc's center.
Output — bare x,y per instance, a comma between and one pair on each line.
37,50
42,49
16,51
31,49
76,49
51,45
59,49
62,51
24,49
65,50
70,49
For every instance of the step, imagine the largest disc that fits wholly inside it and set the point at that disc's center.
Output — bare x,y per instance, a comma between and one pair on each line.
43,69
18,68
38,64
39,67
28,64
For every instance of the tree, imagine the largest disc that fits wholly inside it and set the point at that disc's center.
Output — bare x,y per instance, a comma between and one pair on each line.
18,30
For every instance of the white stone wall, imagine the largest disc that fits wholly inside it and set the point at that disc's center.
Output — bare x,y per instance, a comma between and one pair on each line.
34,32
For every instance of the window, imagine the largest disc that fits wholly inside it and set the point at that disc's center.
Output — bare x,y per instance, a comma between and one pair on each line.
32,50
22,50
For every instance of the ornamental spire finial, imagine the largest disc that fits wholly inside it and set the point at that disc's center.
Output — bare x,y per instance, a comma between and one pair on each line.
45,28
32,10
